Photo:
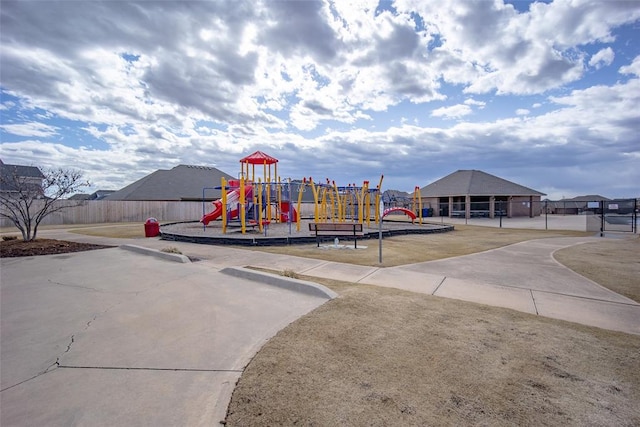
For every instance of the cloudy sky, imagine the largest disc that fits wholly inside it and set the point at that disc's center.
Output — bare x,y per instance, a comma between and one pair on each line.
546,94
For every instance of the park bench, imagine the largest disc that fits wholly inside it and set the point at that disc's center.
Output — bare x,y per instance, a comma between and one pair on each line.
336,229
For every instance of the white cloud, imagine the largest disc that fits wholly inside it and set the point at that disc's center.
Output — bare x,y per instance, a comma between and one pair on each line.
452,112
471,101
633,68
30,129
603,58
522,112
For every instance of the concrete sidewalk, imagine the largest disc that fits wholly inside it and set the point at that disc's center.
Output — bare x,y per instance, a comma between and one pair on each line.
113,337
523,277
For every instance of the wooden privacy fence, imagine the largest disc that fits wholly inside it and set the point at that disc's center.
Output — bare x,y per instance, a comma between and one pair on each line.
114,211
101,211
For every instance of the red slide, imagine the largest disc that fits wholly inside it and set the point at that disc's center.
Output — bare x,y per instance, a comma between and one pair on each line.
217,211
233,197
284,212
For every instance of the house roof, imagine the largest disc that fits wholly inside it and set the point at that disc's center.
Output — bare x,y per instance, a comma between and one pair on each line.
14,176
587,198
80,196
475,183
394,195
97,195
20,171
183,182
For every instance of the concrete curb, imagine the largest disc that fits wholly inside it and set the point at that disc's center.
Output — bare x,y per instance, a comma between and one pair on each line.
296,285
156,253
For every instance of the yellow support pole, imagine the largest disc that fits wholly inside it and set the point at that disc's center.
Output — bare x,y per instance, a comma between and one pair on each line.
279,201
223,183
242,206
267,181
338,202
331,207
323,212
254,194
353,199
260,204
300,191
361,202
315,199
367,202
419,203
378,196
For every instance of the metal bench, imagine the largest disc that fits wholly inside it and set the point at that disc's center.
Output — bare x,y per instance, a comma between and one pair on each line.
336,229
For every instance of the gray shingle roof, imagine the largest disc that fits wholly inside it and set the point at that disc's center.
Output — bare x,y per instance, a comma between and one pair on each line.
183,182
587,198
20,171
475,183
25,177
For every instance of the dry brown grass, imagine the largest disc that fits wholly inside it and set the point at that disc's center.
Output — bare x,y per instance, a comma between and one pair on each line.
122,231
377,356
613,263
409,249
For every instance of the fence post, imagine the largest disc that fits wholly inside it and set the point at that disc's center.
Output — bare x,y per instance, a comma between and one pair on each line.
546,211
601,218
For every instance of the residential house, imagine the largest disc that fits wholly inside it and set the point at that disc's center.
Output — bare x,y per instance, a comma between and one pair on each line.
574,206
15,179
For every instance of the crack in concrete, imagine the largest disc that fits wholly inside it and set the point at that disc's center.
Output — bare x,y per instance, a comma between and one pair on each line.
70,344
125,368
87,288
54,365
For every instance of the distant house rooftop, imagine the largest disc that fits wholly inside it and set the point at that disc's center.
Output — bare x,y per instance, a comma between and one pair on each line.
587,198
182,183
12,175
97,195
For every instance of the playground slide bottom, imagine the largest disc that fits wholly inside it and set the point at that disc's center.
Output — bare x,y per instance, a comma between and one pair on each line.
211,216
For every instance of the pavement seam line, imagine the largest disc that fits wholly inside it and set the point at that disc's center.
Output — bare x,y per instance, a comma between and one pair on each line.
631,304
438,287
535,306
121,368
362,278
315,266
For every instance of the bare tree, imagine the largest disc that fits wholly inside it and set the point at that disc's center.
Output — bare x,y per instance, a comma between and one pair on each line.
27,200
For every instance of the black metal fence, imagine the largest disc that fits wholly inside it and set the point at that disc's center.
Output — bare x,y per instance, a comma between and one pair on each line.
620,215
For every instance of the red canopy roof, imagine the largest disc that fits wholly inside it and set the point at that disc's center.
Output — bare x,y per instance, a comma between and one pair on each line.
259,158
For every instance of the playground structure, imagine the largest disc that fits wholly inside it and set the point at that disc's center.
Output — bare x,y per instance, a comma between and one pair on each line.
252,201
249,203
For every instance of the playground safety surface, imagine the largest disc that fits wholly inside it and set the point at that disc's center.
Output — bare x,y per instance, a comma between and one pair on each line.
285,233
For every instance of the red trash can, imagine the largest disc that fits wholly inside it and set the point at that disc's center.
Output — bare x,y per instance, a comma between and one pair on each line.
151,228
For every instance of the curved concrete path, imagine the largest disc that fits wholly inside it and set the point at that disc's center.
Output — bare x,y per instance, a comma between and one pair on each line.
114,337
523,277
